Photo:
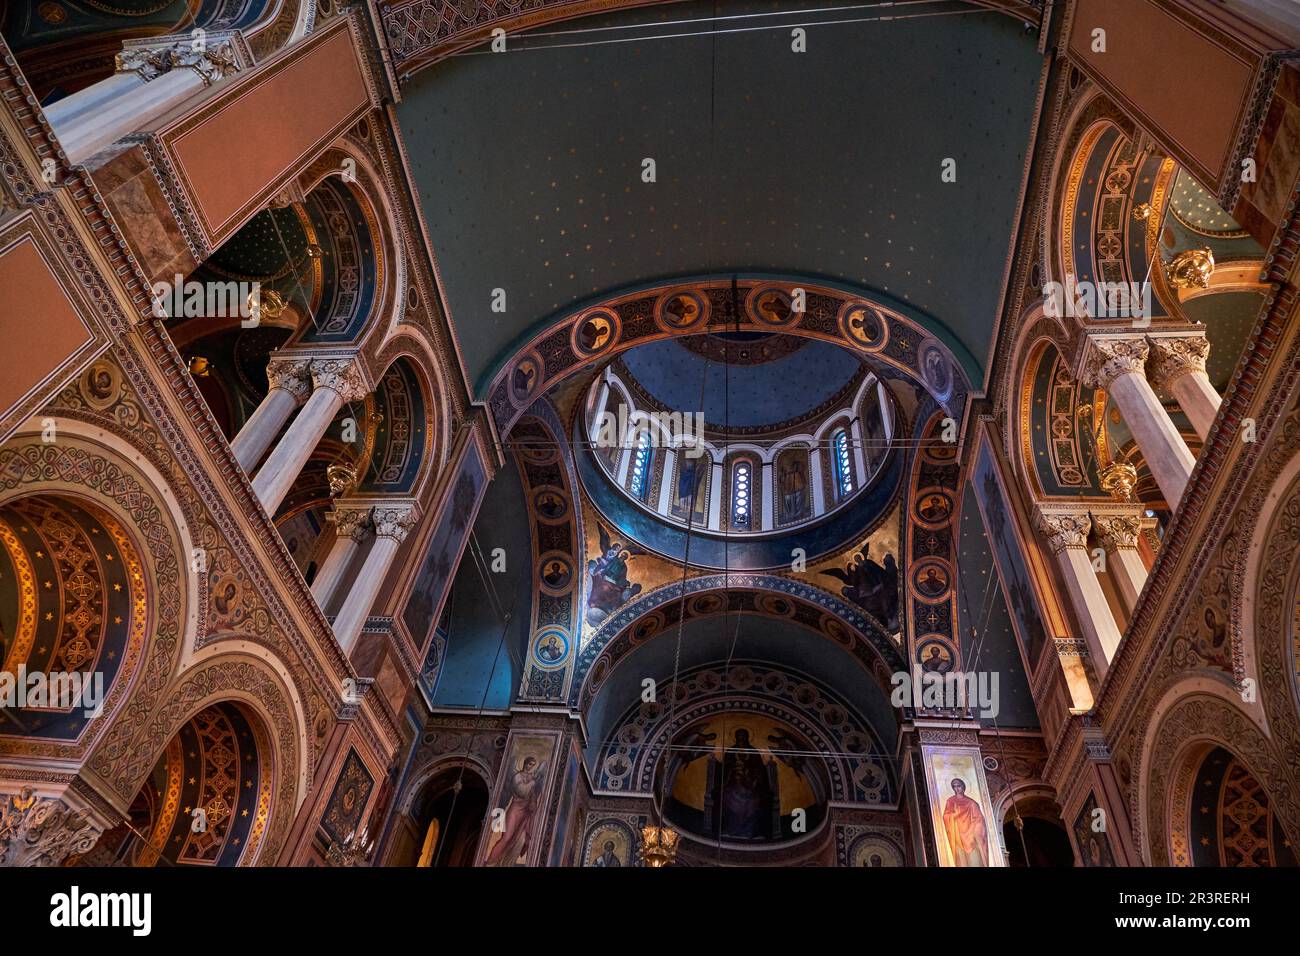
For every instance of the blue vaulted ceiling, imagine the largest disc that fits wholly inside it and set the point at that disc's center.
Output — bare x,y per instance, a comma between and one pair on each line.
826,163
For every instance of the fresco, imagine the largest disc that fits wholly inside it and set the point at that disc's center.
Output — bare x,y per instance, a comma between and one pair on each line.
517,814
608,584
1016,582
743,777
964,825
443,554
611,842
1093,847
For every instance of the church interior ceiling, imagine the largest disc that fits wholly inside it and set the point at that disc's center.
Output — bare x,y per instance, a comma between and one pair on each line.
622,433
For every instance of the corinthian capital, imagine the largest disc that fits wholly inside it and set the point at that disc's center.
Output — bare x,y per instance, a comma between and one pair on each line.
290,375
1065,530
1109,358
42,831
394,521
1117,531
350,521
341,375
212,56
1172,358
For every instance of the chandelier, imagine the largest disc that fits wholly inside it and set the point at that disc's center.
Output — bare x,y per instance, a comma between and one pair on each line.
354,851
658,845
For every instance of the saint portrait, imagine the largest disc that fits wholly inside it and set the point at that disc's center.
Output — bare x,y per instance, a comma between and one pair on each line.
520,799
556,574
932,581
792,486
964,826
935,658
934,508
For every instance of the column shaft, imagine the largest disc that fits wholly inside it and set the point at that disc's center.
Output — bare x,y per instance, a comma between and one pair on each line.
356,606
277,476
1163,449
1199,401
262,426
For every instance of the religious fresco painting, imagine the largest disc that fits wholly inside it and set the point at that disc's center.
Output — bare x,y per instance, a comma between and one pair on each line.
966,832
516,824
322,321
1012,569
742,779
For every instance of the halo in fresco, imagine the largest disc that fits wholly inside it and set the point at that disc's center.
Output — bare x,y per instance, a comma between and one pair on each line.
863,326
595,332
681,311
550,648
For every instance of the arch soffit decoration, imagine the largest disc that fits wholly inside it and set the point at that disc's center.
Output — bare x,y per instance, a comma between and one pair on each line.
440,765
713,595
870,325
368,189
410,344
90,465
1192,714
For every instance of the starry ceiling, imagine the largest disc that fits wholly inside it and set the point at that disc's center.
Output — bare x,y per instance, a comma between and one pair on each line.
825,164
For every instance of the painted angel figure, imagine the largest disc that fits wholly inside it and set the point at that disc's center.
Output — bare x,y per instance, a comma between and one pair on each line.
520,813
610,588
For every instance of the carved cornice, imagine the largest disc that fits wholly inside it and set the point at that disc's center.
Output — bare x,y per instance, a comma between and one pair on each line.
1106,359
1172,358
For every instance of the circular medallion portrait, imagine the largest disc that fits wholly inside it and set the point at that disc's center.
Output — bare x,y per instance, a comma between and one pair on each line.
556,573
551,504
933,508
863,326
681,311
874,852
594,332
101,386
930,579
550,649
934,656
936,370
772,307
525,378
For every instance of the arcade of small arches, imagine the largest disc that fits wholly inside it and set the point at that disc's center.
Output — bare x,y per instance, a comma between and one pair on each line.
356,565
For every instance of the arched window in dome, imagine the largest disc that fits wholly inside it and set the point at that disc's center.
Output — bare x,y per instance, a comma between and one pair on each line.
639,475
742,499
843,466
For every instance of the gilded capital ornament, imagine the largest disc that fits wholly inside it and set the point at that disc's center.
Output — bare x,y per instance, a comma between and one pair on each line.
1172,358
290,375
395,523
1117,531
1065,530
351,521
42,831
1108,359
211,62
340,375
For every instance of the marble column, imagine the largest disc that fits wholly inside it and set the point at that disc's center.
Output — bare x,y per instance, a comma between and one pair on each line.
1118,364
1118,534
351,525
335,382
1067,535
663,501
154,76
392,523
859,455
290,381
1178,365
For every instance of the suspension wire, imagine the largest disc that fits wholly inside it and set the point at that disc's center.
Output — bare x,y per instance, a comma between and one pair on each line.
755,29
